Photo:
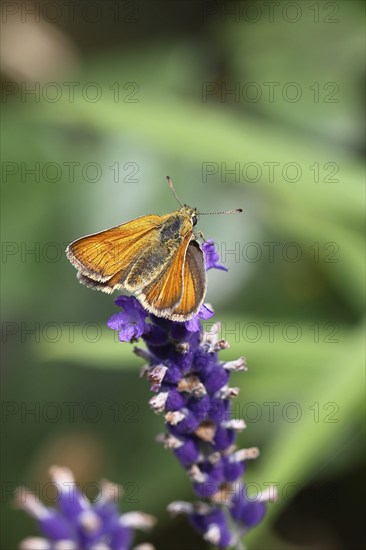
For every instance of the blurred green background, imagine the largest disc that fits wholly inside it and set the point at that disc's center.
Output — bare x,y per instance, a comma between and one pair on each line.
250,104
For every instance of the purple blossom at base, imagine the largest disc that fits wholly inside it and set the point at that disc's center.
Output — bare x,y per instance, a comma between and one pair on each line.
78,524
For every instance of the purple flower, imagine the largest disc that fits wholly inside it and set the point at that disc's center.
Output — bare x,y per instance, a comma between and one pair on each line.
131,321
212,256
247,512
79,524
210,521
194,325
192,391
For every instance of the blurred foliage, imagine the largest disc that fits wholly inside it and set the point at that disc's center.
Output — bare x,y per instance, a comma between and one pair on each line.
174,129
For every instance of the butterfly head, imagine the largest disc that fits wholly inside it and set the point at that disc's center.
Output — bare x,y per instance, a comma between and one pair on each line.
191,213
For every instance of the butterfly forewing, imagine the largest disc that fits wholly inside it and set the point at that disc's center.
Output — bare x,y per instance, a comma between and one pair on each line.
163,294
194,284
101,255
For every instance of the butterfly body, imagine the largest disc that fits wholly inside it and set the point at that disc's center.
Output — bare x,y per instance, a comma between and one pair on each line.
157,258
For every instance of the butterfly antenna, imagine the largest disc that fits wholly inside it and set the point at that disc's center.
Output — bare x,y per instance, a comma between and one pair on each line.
172,188
226,212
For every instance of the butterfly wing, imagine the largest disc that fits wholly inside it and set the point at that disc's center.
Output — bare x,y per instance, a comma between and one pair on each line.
194,284
133,254
105,286
102,255
165,292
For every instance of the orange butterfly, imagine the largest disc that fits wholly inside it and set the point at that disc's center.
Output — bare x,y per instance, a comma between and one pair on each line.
157,258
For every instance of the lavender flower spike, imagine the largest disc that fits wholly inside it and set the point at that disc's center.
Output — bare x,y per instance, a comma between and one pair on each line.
79,524
192,390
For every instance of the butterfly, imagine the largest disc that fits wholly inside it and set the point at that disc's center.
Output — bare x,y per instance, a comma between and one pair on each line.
156,258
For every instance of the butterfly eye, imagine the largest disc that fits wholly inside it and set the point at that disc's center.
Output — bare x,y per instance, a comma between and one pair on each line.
194,220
